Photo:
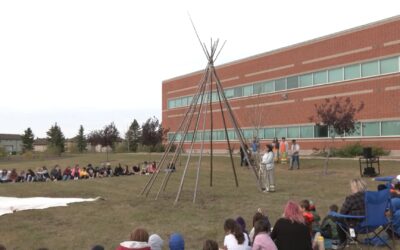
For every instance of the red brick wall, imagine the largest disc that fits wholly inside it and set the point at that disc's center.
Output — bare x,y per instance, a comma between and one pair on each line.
353,46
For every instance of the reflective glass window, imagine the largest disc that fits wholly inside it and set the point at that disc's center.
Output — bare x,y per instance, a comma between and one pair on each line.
229,93
257,88
371,129
369,69
171,104
269,133
335,75
268,87
389,65
305,80
238,91
391,128
320,131
280,84
248,90
307,131
292,82
352,72
320,77
280,132
293,132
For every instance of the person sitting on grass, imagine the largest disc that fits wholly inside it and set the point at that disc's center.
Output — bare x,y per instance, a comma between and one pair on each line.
30,176
259,215
176,242
210,245
139,239
155,242
329,226
262,240
13,177
290,232
67,174
235,239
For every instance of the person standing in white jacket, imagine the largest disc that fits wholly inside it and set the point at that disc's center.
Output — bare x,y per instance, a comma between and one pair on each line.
267,170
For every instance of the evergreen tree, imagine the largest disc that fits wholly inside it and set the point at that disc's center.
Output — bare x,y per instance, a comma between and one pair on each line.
81,140
56,139
152,132
27,140
132,136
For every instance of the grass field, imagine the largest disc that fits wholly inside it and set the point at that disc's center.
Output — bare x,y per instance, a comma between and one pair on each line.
108,222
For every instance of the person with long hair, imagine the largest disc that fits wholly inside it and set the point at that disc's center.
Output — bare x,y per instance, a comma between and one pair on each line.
290,232
262,240
235,239
354,204
139,239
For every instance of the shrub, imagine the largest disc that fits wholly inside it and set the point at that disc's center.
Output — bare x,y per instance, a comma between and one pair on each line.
356,149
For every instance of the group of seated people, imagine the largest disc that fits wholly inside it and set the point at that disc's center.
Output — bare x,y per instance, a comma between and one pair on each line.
299,228
76,172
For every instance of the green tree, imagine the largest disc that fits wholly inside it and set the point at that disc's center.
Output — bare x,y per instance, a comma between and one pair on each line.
105,137
338,115
132,136
81,140
153,133
27,140
56,139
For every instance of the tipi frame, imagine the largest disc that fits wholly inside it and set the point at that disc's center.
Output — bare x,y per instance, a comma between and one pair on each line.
201,104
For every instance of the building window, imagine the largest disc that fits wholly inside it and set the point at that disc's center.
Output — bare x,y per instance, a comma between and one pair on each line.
352,72
229,93
178,102
248,133
370,69
231,135
293,132
269,133
389,65
171,104
371,129
320,77
248,90
320,131
184,101
305,80
280,132
335,75
257,88
307,131
269,87
280,84
391,128
293,82
357,131
238,91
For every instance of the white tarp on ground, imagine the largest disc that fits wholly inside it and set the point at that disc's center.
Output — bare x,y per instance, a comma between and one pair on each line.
12,204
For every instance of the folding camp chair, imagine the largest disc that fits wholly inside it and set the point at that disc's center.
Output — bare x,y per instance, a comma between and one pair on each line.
375,221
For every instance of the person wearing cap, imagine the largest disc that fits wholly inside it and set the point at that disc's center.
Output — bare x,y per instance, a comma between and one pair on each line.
176,242
155,242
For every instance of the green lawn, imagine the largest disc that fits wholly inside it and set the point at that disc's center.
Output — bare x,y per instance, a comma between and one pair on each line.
108,222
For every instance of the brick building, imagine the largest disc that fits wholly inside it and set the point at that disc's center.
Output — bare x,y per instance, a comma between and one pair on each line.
280,88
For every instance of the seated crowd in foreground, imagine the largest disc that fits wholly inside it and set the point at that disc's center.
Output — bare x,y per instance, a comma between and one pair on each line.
75,173
299,228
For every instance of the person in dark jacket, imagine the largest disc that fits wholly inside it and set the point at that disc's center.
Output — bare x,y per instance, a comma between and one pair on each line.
290,232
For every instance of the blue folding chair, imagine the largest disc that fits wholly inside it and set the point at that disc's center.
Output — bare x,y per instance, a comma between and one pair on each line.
376,219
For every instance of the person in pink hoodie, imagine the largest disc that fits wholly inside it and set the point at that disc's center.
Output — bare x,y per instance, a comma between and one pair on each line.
262,240
139,241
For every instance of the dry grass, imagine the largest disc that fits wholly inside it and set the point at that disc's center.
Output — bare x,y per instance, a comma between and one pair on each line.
108,222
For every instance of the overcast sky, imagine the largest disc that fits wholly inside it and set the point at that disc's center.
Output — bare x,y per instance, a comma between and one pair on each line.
96,62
